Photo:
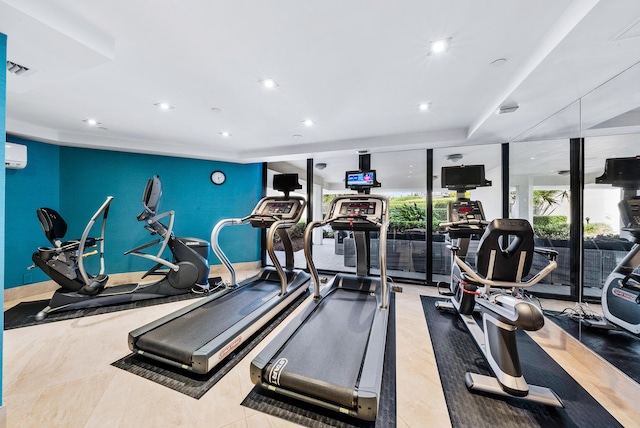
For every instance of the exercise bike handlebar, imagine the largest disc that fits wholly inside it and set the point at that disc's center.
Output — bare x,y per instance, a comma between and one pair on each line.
166,232
488,283
464,223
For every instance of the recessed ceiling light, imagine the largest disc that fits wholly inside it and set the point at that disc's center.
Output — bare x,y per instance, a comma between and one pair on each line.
308,122
439,46
91,122
225,134
164,106
423,107
269,83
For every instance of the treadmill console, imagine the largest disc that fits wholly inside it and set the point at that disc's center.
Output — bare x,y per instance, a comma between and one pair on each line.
357,213
270,210
461,210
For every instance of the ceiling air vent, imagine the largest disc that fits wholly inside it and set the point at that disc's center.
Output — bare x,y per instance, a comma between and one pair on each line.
18,69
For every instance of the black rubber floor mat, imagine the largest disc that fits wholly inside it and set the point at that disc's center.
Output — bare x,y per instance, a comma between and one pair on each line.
456,353
193,384
309,415
618,347
24,314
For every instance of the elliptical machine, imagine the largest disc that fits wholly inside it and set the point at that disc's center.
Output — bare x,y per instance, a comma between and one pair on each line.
504,258
621,290
64,262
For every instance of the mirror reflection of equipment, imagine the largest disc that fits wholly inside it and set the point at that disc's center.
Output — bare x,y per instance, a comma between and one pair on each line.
621,290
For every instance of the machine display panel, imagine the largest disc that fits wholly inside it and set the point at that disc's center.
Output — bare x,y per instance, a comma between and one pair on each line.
358,208
272,208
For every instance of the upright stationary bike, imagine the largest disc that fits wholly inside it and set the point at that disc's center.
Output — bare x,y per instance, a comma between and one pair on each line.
504,258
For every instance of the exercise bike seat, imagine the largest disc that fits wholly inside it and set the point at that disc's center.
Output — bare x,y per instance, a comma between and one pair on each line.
505,251
54,228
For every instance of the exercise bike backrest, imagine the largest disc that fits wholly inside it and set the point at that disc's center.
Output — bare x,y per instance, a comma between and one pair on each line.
151,203
505,251
55,228
53,225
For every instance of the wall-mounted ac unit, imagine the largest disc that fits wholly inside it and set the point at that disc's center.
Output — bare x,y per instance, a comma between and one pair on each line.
15,156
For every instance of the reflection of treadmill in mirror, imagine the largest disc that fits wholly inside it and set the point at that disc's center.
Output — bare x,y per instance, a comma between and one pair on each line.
201,335
332,353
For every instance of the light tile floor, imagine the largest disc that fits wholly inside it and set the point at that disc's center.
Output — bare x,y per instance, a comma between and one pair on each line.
59,375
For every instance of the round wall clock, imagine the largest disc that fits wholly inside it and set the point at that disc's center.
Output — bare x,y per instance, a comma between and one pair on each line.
218,177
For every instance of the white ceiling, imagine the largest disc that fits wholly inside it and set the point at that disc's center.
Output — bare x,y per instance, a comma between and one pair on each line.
358,68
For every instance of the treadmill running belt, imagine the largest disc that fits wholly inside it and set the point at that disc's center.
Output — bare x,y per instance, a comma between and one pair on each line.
179,338
324,357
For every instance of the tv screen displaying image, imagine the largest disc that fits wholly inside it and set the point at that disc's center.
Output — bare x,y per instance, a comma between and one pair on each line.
360,179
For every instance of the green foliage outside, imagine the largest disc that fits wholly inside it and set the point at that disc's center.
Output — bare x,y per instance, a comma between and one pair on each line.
593,230
556,227
407,212
551,226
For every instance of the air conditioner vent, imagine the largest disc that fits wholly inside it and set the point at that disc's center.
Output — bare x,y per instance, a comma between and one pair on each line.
18,69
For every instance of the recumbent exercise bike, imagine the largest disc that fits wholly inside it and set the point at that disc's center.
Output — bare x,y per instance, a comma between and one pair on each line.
64,261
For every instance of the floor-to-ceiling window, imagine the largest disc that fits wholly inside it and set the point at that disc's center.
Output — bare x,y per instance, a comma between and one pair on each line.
490,197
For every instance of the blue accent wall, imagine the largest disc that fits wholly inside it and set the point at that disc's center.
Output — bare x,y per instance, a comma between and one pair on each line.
3,130
75,182
35,186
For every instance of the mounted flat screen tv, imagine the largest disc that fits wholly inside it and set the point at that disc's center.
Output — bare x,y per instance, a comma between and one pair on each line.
463,177
357,180
286,182
621,172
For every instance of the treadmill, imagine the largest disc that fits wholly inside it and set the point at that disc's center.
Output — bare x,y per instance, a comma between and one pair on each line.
201,335
332,353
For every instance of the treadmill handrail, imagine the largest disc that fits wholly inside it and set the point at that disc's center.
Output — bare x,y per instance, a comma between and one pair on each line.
215,245
104,210
381,224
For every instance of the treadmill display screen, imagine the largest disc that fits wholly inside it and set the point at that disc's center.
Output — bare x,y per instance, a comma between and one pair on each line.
358,208
277,208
